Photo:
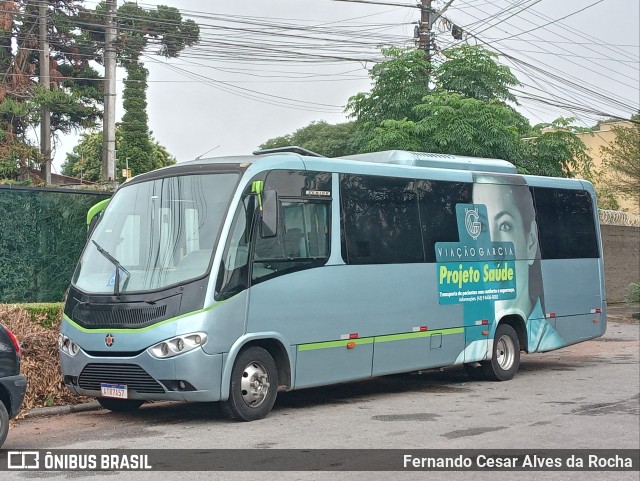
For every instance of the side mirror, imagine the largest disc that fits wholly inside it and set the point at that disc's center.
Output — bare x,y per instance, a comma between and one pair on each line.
270,216
93,223
94,214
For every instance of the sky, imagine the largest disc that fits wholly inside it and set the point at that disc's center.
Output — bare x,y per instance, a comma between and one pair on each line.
266,68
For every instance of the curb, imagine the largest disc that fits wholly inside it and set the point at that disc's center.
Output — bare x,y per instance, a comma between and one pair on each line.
56,410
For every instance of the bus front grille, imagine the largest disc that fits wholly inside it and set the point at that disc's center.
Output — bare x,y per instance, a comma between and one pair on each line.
115,316
134,377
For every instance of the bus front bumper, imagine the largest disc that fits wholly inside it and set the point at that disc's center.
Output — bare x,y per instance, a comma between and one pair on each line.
193,376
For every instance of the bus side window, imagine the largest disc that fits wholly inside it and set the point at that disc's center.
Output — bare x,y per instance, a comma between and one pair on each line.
302,241
566,223
380,220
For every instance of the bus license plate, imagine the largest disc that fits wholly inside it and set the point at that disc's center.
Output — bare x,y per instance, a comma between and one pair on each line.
113,390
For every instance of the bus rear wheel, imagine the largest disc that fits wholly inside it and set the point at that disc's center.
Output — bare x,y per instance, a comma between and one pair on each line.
505,358
254,385
120,405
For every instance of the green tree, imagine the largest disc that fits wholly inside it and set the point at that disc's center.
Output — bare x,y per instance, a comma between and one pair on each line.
399,84
139,28
330,140
555,150
468,113
453,124
623,158
473,72
86,158
75,93
141,32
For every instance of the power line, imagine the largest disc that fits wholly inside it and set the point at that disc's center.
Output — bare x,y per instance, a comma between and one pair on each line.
554,21
254,94
510,16
574,85
378,3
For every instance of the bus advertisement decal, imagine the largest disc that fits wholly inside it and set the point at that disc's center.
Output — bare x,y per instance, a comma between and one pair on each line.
476,269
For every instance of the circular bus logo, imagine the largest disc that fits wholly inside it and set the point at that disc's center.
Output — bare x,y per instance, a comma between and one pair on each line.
474,227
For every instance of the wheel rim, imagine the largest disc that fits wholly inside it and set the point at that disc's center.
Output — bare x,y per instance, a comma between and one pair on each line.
505,353
254,384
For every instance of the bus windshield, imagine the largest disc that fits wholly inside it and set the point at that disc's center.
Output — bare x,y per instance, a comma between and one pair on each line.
155,234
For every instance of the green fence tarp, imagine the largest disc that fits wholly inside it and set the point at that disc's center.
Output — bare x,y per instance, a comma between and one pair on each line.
42,233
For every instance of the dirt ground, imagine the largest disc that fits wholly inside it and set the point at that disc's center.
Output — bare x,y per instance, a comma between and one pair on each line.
622,312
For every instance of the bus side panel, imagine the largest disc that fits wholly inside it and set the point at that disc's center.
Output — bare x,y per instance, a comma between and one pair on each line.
436,349
332,303
225,323
325,303
327,365
572,294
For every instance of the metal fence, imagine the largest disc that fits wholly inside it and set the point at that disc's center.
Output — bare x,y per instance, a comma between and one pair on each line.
618,217
42,233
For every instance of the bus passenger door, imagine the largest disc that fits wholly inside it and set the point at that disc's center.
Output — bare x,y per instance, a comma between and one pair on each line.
291,283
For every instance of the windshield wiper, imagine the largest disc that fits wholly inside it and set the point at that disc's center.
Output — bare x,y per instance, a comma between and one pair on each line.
119,267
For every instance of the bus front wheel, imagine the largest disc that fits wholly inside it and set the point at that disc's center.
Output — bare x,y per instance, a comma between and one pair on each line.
505,360
254,385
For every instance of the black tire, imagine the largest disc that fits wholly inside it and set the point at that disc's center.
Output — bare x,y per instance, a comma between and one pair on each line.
120,405
505,358
254,385
4,423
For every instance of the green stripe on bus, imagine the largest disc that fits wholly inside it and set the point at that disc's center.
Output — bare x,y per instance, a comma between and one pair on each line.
415,335
139,329
369,340
330,344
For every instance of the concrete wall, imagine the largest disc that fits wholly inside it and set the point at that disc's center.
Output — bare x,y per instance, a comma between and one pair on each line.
621,245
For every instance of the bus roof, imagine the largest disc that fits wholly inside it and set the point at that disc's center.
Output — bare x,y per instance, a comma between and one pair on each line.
391,162
391,157
436,161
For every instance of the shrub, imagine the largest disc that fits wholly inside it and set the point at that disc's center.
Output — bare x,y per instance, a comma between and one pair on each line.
37,326
46,314
634,293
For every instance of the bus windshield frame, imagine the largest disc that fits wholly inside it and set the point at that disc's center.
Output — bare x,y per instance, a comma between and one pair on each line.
163,231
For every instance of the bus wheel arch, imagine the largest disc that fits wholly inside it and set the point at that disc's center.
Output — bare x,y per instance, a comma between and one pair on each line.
505,358
518,325
279,354
253,385
274,346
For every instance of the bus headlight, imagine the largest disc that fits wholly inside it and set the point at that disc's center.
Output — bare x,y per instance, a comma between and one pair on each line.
177,345
67,346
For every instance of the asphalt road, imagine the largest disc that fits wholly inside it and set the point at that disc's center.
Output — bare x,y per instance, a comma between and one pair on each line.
584,396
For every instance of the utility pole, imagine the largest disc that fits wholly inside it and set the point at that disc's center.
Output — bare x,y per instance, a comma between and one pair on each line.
109,119
424,35
428,16
45,121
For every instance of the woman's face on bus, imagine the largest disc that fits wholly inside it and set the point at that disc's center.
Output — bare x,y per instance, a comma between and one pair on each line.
504,220
505,224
